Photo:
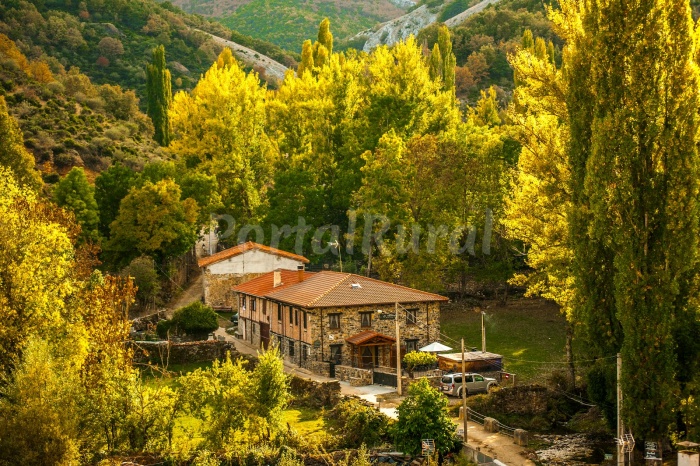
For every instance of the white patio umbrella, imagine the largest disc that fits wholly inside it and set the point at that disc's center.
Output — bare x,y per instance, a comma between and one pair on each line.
435,347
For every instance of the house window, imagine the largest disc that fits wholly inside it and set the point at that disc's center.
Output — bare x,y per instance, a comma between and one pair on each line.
336,353
291,347
365,319
411,316
291,315
279,312
243,302
280,344
306,323
296,316
305,351
253,304
411,345
334,321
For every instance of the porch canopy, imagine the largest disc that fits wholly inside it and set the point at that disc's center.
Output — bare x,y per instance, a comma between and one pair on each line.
370,349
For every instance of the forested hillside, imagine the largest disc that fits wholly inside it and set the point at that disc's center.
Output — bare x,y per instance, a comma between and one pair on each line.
67,120
111,41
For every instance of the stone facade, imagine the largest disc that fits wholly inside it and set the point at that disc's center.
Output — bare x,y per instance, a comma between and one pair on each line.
217,288
305,339
424,331
225,273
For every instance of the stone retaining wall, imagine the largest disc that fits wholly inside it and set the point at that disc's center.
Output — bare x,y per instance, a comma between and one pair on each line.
356,376
314,394
168,352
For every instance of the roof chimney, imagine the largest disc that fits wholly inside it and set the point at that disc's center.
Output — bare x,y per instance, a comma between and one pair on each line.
276,278
300,273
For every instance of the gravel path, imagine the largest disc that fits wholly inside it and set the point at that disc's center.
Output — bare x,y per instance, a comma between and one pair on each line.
191,294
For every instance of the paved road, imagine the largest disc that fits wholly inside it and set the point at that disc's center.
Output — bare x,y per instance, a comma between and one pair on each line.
458,19
497,446
251,57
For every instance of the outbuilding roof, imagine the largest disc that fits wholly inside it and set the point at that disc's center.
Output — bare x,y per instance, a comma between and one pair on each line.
265,284
241,248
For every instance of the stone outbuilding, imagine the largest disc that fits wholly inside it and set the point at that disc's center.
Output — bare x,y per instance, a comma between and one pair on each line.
326,319
230,267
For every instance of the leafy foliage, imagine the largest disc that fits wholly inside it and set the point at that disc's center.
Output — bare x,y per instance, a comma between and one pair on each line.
145,278
158,88
195,319
418,358
13,155
75,194
423,414
359,423
154,221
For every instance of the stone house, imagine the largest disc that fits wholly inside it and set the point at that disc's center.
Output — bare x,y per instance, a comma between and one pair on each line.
326,319
239,264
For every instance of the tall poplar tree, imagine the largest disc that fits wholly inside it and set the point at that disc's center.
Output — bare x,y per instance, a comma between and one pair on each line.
307,58
633,93
448,59
158,86
325,37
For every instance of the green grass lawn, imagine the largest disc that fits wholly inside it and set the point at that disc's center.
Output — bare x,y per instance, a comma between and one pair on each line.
529,333
307,422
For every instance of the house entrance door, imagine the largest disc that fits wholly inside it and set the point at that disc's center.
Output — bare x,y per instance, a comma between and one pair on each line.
265,335
367,357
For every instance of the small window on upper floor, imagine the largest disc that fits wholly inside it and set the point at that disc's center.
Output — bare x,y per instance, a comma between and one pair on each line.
365,319
334,321
411,316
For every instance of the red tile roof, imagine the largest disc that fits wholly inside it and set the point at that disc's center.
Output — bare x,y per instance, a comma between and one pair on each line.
367,335
264,284
241,248
334,289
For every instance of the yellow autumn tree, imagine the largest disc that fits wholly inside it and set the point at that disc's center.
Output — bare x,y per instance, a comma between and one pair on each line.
219,128
540,200
36,267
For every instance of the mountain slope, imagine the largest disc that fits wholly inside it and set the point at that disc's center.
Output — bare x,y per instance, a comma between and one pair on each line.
111,40
288,23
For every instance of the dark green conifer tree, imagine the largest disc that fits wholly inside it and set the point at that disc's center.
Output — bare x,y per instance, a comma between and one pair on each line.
75,193
158,86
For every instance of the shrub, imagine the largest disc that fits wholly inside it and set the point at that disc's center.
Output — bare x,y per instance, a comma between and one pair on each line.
195,319
423,414
417,359
163,327
359,423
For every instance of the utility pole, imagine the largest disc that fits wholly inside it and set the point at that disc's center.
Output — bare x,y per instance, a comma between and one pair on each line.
465,417
620,428
483,333
398,349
